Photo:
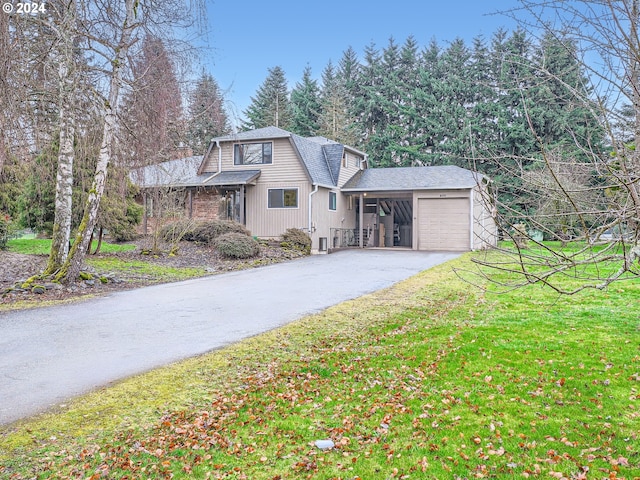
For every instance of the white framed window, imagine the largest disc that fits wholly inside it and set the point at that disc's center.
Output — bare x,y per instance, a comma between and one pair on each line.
252,153
283,198
333,201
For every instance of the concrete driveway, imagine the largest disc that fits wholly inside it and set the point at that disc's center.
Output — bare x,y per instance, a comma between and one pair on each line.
48,355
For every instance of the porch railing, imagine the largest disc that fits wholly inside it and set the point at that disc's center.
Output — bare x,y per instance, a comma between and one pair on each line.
347,237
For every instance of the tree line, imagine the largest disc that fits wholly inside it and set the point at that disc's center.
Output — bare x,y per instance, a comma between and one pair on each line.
486,106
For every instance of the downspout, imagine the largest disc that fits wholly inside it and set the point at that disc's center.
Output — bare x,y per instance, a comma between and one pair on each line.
219,163
315,189
471,219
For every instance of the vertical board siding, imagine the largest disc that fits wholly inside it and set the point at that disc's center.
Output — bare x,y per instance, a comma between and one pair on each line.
286,171
273,222
325,219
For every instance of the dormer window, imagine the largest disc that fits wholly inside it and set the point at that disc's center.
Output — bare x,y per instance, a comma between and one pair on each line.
252,153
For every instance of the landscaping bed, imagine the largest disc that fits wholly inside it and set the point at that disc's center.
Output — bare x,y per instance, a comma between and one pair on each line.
123,270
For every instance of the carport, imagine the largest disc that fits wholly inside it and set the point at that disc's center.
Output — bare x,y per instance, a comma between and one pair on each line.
442,208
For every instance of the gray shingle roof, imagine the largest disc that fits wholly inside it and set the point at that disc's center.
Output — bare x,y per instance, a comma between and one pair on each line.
177,173
412,178
236,177
258,134
320,156
315,157
182,173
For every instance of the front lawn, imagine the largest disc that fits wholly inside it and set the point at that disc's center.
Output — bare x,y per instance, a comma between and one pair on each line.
42,246
431,378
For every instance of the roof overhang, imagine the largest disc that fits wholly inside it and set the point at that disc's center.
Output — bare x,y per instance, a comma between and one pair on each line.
401,190
231,178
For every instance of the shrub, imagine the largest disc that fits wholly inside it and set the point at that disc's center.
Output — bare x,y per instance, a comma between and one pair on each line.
207,232
297,239
179,230
122,228
5,227
237,245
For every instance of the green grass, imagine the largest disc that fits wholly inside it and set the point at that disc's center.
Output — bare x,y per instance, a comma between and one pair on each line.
140,270
428,379
39,246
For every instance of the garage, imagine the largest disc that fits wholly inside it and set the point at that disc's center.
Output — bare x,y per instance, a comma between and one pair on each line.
439,208
443,224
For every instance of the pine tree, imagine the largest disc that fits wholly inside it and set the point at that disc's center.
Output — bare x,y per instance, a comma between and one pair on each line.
207,115
459,63
271,106
482,111
368,109
563,121
153,110
334,119
306,106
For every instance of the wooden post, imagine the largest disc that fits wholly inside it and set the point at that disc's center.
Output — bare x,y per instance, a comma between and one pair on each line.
361,218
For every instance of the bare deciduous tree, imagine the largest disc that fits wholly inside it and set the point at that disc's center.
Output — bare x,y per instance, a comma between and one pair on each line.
589,190
64,57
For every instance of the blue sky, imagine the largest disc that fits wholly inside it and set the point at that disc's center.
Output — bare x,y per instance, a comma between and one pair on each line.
246,38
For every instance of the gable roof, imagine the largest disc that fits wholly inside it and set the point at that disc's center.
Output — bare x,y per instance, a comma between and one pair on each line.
320,157
412,178
265,133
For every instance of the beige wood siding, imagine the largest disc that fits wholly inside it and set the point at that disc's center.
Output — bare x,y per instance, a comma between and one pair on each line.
324,219
353,163
443,221
286,165
272,222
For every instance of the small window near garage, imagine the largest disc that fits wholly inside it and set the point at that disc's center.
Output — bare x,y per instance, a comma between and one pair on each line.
283,198
252,153
333,200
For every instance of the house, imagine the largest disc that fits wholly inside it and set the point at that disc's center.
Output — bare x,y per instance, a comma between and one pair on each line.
271,180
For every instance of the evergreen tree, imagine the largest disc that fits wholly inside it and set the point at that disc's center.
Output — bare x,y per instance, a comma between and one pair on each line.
306,106
482,111
153,110
334,121
368,109
452,92
405,142
559,77
271,106
348,72
207,115
515,76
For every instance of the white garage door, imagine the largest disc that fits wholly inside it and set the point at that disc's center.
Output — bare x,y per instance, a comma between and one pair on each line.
443,224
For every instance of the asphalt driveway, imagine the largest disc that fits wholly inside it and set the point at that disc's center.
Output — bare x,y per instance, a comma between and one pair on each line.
48,355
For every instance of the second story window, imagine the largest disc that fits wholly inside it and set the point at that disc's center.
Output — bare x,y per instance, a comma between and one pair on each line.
252,153
333,200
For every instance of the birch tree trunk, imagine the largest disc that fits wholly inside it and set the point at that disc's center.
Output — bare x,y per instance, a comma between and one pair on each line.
5,62
64,177
73,264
